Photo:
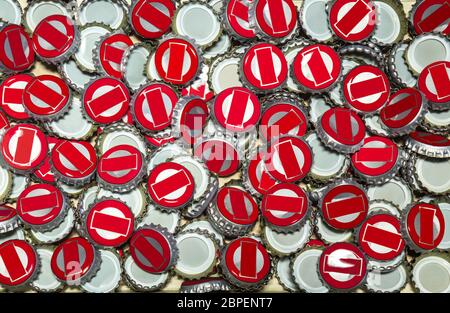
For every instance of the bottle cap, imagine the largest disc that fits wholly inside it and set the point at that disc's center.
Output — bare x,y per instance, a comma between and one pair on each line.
343,204
109,51
74,162
9,220
317,106
231,106
373,125
141,280
246,264
75,253
284,276
316,68
58,233
149,22
444,205
430,16
152,107
367,53
108,222
397,68
42,207
36,11
108,276
404,111
334,269
273,20
134,61
33,148
387,282
105,100
352,21
46,280
290,50
377,161
171,185
112,13
224,72
429,145
285,207
391,22
423,226
198,254
342,130
73,125
193,16
154,215
56,38
335,94
74,76
256,179
46,97
90,34
430,273
366,89
288,159
18,233
167,60
189,118
19,184
306,279
121,168
314,20
12,90
233,212
433,82
205,225
154,249
11,12
236,19
328,234
13,37
429,174
284,244
394,190
164,153
21,263
327,164
383,206
417,54
5,185
211,284
263,68
283,115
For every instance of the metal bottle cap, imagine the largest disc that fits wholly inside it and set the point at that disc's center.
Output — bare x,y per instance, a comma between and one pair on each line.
263,68
318,105
284,276
42,207
423,226
328,234
56,38
11,12
444,205
255,176
236,19
189,118
327,164
58,233
75,253
246,264
316,68
198,254
74,76
224,72
90,34
417,54
121,168
290,50
430,16
334,270
283,244
433,82
397,68
430,273
302,265
429,174
314,20
164,153
112,13
392,24
154,215
108,276
342,130
205,225
384,206
154,249
196,20
374,125
211,284
352,21
233,211
19,183
395,190
141,280
134,61
46,280
378,160
335,94
429,145
105,100
21,263
9,220
367,53
387,282
149,22
24,148
36,11
16,53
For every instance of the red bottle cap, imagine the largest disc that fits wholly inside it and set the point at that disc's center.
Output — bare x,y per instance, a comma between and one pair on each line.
11,95
16,52
20,263
151,19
